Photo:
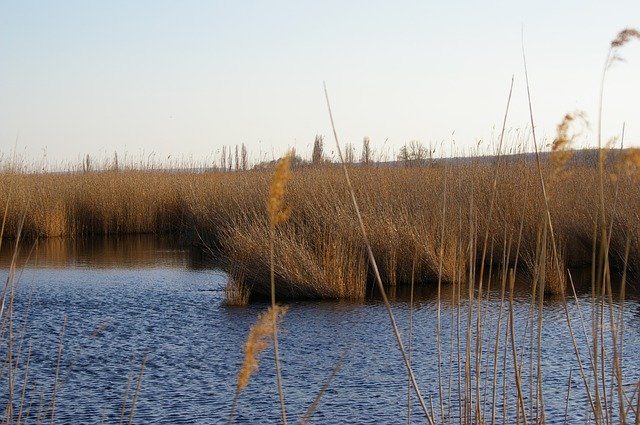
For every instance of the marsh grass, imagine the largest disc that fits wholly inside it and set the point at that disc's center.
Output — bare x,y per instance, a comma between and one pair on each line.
318,251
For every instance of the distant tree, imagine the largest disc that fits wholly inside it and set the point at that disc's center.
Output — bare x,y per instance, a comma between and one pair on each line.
296,160
317,154
349,153
237,158
223,159
244,158
230,159
415,153
366,151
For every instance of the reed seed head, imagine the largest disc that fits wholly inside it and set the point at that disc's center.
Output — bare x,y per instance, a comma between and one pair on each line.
569,128
625,36
277,212
259,339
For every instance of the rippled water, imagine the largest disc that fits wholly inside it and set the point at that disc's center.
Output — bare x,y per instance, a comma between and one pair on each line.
119,301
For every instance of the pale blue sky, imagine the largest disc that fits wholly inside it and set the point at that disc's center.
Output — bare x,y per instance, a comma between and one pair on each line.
183,78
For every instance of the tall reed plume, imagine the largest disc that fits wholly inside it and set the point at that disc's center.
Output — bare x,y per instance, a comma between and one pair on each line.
277,215
259,338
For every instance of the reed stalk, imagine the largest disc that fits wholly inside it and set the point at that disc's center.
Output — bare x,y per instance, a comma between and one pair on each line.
325,386
277,215
372,259
568,397
410,336
516,368
136,393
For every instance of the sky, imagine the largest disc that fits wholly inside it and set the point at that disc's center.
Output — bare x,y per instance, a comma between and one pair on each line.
177,81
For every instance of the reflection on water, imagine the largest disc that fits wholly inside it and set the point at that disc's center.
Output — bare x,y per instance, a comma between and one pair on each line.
129,251
122,299
496,284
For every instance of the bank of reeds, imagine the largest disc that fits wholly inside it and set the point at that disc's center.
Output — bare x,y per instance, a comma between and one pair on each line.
100,203
319,250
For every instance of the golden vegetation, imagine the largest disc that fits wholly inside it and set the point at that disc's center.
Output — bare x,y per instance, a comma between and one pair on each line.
277,213
319,252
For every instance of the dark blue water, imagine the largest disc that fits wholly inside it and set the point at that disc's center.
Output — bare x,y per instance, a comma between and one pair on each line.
157,303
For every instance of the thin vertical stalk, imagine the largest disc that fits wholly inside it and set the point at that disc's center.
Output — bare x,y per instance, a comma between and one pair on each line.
458,321
566,404
372,259
584,330
620,329
274,320
316,401
24,385
504,278
638,404
622,38
468,401
540,417
550,224
410,334
125,398
439,298
57,377
136,394
520,402
494,190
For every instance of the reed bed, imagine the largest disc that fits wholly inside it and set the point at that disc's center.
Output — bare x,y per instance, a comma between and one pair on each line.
426,225
428,221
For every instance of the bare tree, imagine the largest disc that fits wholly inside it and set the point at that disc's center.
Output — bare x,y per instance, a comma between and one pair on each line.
237,158
317,154
244,158
223,159
415,153
349,153
366,152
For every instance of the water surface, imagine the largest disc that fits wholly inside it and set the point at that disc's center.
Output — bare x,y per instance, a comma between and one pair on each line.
114,302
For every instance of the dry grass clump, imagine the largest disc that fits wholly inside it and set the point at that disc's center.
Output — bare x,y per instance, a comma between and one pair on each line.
403,213
328,268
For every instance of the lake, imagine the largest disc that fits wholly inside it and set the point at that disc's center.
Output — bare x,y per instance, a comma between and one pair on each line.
114,302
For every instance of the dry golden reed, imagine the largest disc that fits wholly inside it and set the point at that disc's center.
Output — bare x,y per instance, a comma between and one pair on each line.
275,204
319,253
259,339
569,128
